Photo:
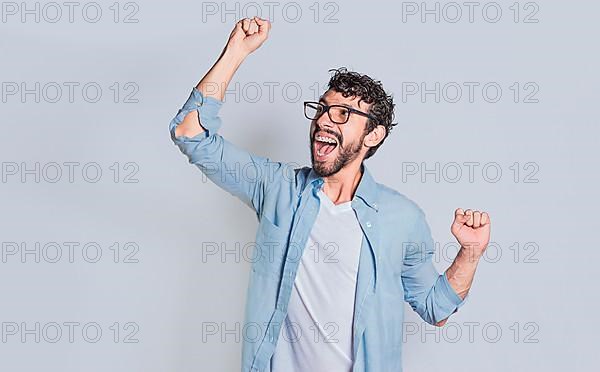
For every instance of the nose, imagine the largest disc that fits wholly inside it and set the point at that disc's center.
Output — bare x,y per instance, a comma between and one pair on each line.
323,122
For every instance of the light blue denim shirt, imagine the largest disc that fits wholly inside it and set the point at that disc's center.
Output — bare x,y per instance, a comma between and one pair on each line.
395,262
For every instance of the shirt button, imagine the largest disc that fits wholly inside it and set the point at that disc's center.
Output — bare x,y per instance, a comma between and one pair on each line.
198,103
368,224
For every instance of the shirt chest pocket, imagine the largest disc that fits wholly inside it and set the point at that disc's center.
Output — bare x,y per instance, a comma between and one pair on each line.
269,250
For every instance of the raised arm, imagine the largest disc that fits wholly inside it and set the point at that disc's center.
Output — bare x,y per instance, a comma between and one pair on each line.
194,128
246,37
428,292
472,231
436,296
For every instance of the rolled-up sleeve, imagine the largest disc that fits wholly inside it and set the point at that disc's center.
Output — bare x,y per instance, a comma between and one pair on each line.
232,168
426,290
208,112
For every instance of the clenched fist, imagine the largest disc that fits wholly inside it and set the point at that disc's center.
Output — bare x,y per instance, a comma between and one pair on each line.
472,230
248,35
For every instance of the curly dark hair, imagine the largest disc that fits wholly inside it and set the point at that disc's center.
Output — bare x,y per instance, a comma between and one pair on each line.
354,84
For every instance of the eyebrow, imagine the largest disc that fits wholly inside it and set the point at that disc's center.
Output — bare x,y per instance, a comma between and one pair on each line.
337,104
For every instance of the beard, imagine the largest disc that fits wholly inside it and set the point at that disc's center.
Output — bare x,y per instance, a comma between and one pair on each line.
345,154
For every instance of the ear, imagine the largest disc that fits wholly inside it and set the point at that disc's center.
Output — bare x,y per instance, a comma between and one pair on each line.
375,136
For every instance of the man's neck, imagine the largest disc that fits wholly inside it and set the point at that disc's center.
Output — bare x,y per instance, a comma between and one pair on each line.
340,187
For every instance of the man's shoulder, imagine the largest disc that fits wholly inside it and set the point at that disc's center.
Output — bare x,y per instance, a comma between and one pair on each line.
397,201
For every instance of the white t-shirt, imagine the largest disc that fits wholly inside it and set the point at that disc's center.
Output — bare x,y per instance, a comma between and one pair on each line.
317,332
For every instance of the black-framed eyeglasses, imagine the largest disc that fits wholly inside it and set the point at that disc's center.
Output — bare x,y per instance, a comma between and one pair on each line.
338,114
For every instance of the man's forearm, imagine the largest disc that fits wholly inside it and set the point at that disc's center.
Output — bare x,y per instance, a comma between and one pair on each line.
472,231
215,82
462,271
247,36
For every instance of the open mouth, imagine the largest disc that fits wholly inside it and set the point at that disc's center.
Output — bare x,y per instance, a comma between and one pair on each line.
324,145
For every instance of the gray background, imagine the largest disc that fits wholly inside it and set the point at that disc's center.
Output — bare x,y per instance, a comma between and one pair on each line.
543,300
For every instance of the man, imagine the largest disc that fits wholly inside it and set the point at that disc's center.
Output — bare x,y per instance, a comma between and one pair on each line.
337,254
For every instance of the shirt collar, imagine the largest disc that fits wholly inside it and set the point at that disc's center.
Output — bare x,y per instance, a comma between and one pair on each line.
366,190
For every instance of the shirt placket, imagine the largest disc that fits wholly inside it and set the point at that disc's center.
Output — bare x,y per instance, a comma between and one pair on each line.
367,275
304,219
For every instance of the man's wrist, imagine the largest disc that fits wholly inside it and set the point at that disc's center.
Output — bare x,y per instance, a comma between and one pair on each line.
234,56
468,254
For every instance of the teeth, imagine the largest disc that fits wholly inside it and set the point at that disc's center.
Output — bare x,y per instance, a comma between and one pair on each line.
326,139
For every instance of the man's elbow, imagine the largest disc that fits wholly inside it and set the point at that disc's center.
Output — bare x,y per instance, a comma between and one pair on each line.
190,126
441,323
